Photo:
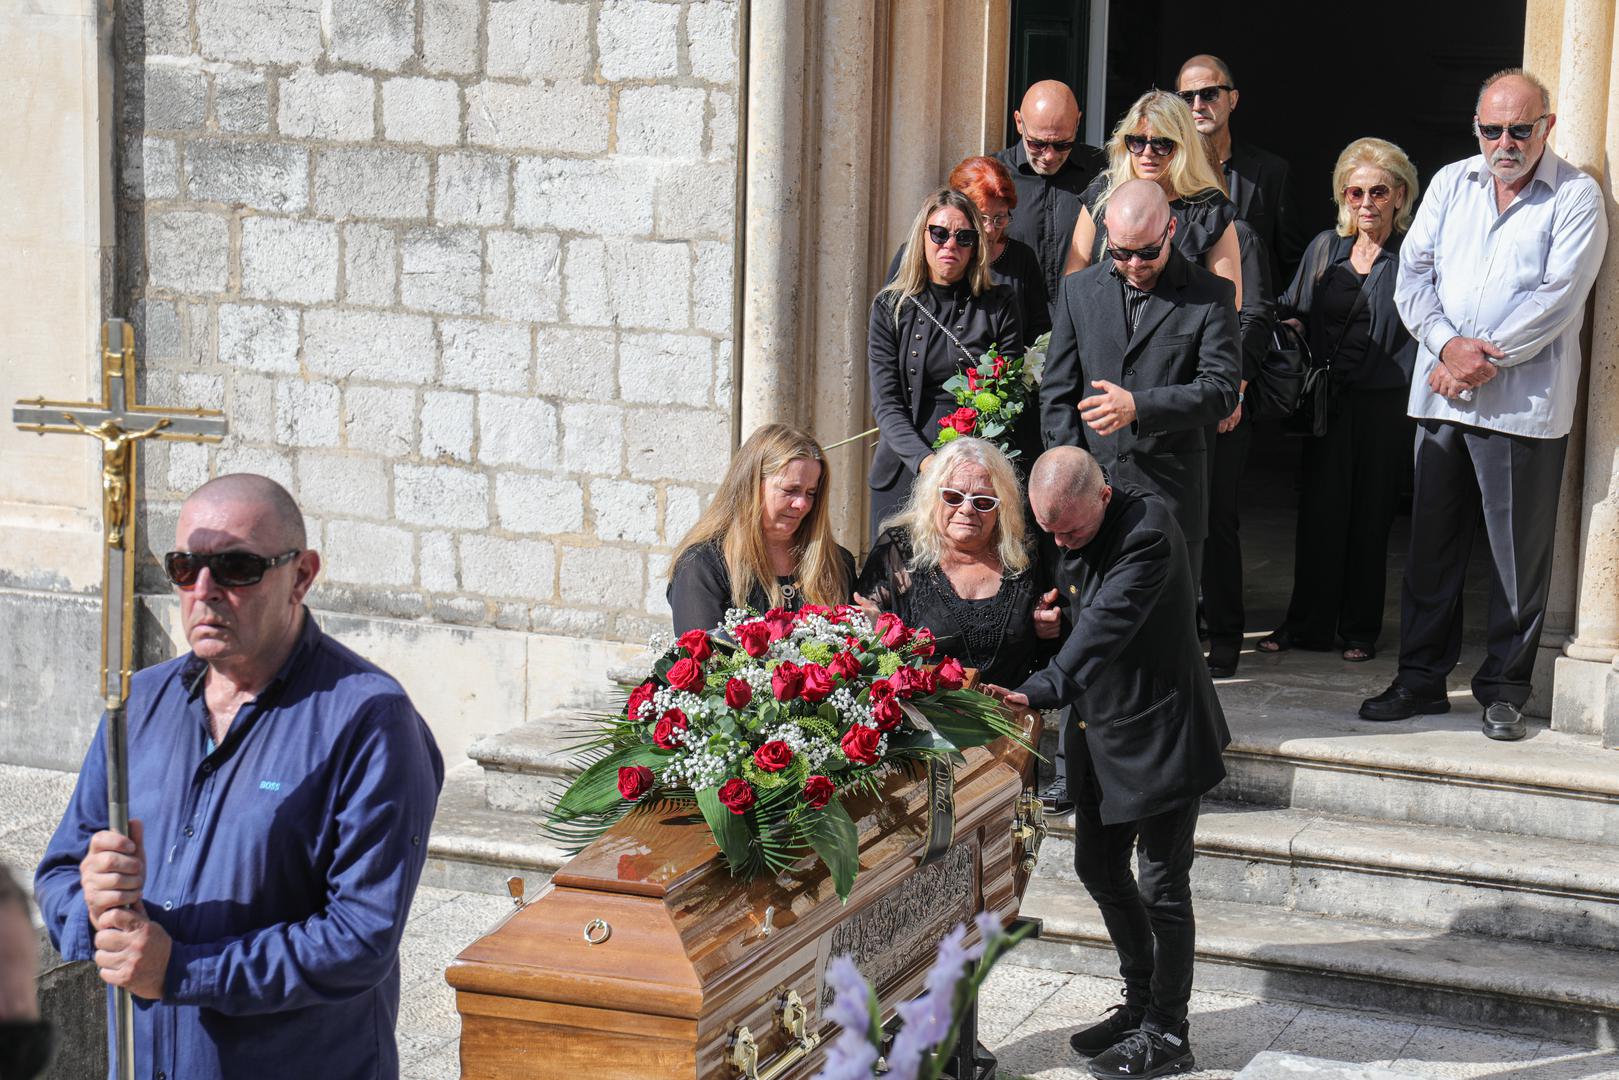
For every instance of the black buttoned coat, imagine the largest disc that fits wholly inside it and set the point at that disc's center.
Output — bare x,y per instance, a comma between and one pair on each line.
1181,365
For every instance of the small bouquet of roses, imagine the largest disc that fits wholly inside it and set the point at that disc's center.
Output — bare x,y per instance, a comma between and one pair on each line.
991,395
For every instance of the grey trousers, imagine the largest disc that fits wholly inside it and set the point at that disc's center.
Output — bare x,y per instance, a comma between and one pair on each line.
1515,480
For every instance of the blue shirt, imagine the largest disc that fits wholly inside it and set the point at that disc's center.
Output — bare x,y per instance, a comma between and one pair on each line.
282,863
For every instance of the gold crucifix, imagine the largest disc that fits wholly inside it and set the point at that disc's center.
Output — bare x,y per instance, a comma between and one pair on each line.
119,425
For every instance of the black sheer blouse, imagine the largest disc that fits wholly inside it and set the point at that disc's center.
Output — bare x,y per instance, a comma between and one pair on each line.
699,590
995,635
1200,221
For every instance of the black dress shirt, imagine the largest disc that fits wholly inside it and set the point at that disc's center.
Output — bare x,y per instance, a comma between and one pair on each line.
1048,206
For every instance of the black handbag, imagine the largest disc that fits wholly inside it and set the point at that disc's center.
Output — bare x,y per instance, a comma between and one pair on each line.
1309,415
1283,373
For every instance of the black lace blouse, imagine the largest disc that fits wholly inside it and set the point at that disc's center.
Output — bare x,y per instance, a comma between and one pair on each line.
995,635
699,590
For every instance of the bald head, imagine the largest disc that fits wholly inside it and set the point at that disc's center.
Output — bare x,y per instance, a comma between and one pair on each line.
1069,495
277,511
1136,205
1050,101
1049,114
1513,98
1212,63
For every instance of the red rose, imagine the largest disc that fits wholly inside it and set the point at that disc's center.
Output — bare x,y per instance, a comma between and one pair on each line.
999,368
754,637
779,623
964,419
634,781
737,795
905,682
815,609
845,665
922,642
817,683
787,681
668,724
881,690
891,630
926,681
638,697
773,756
951,674
817,792
887,714
737,693
860,744
686,675
972,379
696,644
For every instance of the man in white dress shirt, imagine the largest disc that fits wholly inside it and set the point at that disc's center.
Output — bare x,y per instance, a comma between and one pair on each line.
1493,280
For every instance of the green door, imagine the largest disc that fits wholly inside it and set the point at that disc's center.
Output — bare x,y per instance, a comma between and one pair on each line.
1049,41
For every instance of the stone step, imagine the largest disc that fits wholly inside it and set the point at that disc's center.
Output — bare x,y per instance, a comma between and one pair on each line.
1556,992
475,848
1305,748
1559,891
526,767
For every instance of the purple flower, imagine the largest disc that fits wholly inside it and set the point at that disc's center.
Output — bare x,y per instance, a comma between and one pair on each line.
851,1055
927,1019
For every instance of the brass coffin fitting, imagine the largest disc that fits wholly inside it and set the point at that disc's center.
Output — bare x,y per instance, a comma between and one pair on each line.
1029,829
793,1018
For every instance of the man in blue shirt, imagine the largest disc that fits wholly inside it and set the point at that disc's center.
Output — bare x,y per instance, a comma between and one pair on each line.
282,790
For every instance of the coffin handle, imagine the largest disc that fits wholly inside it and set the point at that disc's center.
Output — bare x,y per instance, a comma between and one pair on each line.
793,1018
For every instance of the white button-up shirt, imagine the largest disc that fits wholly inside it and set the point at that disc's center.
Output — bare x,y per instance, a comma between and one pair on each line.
1517,278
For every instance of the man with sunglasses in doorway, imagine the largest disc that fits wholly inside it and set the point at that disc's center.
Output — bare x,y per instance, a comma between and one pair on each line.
281,793
1050,168
1494,275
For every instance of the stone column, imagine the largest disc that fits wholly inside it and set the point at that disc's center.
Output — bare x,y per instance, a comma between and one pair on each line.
1589,137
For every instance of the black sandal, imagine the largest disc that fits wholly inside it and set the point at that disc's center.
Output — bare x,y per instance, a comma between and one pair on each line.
1363,653
1277,641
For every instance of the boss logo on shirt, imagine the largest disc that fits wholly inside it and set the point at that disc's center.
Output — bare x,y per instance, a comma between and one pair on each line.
269,785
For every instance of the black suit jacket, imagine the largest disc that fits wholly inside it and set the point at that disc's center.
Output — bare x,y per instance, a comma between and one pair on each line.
1133,668
1263,194
1181,365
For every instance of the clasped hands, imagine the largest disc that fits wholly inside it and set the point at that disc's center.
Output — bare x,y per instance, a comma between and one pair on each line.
1464,364
132,951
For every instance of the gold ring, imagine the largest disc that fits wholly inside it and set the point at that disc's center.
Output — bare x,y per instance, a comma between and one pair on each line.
597,931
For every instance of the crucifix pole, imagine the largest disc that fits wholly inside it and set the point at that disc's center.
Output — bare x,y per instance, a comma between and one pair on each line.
119,425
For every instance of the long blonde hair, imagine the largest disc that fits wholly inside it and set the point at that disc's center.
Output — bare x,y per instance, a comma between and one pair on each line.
1190,170
733,521
1379,154
912,277
919,516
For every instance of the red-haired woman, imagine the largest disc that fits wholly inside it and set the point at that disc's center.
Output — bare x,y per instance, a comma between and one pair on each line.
988,183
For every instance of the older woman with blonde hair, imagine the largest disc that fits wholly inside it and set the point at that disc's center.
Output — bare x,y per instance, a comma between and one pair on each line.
765,540
1342,298
1157,140
957,558
940,313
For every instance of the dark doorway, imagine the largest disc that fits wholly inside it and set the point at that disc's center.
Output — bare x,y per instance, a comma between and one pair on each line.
1050,39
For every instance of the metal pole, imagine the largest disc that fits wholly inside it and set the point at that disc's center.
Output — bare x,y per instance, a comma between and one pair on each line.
117,744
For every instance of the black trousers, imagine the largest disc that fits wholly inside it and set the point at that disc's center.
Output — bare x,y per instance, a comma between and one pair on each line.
1222,550
1148,914
1349,494
1515,480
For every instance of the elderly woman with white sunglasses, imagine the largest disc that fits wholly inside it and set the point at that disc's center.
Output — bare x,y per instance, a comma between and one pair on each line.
957,558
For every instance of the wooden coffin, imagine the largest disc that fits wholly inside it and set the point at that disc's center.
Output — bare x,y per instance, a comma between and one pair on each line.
686,955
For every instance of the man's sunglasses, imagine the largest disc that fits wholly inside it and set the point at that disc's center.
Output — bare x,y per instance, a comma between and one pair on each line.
1040,146
1162,146
1204,94
232,569
981,503
1145,254
1519,132
1378,193
964,237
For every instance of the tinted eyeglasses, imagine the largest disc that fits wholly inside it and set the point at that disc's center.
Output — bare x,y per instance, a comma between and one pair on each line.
1162,146
1204,94
1519,132
1145,254
964,237
232,569
981,503
997,221
1378,193
1037,146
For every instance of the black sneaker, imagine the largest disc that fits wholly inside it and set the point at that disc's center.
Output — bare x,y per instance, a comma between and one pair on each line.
1055,798
1098,1037
1144,1054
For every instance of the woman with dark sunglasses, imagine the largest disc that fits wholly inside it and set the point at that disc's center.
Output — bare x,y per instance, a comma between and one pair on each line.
1342,298
1157,140
938,316
957,558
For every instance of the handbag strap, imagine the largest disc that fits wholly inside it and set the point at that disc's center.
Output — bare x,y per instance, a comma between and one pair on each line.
945,329
1320,270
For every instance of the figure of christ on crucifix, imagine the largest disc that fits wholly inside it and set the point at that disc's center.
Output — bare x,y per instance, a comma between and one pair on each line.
116,467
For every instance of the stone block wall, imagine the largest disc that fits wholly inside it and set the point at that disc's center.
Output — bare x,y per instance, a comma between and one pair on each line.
459,271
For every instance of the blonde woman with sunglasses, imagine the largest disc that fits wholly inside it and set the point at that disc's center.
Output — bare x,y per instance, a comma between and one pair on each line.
1157,140
957,558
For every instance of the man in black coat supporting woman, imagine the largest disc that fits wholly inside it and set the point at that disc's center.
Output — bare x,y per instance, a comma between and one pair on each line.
1145,749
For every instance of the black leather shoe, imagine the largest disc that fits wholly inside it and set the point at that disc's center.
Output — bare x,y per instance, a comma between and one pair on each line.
1142,1054
1122,1020
1398,703
1503,721
1055,798
1222,661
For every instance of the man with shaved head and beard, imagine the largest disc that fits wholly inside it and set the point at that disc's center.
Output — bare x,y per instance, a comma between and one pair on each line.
1494,274
1145,733
281,790
1050,169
